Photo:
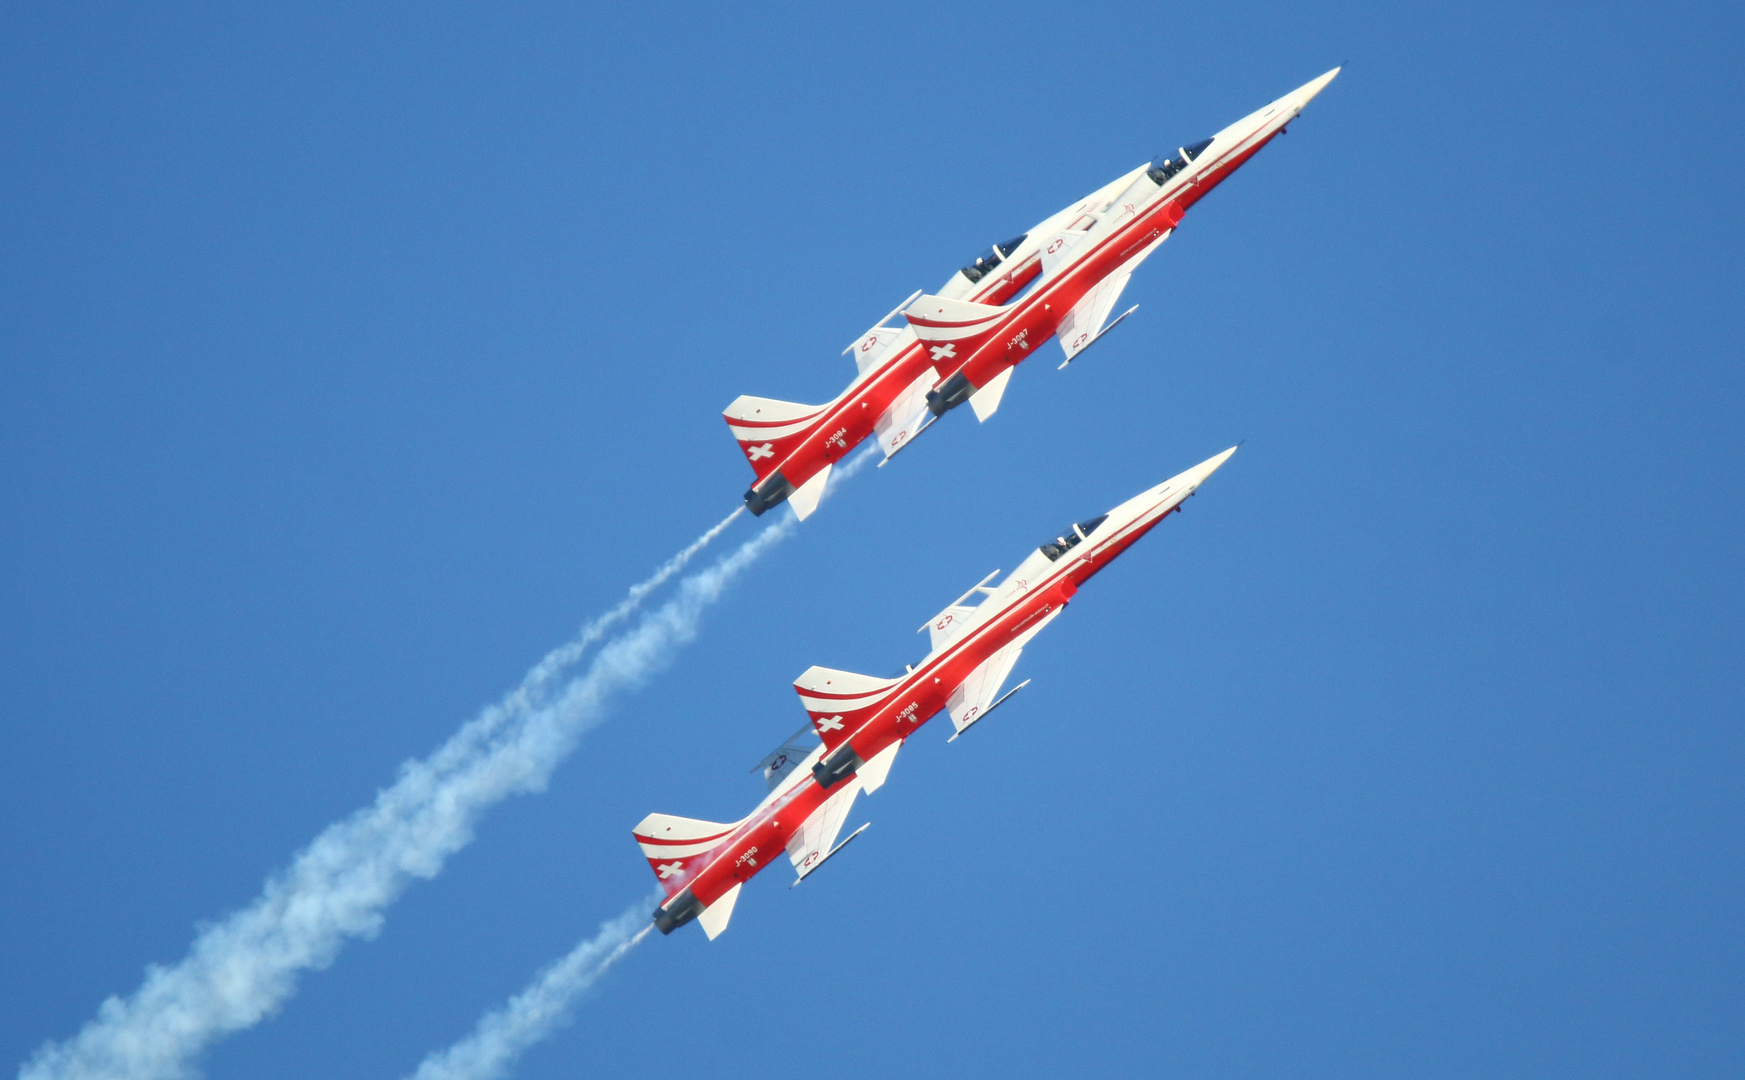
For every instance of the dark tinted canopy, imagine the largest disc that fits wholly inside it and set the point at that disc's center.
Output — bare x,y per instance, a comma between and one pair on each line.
1164,168
1071,537
991,258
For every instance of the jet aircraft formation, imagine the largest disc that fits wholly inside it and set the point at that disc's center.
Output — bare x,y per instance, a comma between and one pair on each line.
1062,278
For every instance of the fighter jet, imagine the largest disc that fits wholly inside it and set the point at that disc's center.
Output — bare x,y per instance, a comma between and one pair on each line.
1062,276
1085,253
858,722
792,447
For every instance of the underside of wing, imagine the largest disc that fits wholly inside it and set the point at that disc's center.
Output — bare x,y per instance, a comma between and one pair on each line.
979,694
1085,323
903,419
812,844
973,697
784,759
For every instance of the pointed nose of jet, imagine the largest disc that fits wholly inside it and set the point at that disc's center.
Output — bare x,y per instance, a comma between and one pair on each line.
1196,476
1305,93
1150,505
1269,120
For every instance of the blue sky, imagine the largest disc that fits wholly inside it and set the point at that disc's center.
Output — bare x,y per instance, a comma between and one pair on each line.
351,357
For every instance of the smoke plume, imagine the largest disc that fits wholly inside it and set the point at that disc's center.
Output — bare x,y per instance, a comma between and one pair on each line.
501,1036
242,968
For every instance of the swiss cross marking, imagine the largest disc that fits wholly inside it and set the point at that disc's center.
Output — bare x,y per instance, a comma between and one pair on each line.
944,352
668,869
832,724
758,453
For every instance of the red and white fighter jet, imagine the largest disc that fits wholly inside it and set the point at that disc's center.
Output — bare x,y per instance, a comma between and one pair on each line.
1062,277
863,721
1087,253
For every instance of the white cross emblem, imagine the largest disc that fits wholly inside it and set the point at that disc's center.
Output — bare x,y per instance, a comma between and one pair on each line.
944,352
757,453
668,869
832,724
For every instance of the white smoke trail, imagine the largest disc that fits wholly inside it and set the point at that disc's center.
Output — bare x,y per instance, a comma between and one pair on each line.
502,1036
846,471
539,678
242,968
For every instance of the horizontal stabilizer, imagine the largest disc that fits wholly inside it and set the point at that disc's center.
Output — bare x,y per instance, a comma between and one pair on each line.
872,775
715,916
768,430
986,401
806,497
840,701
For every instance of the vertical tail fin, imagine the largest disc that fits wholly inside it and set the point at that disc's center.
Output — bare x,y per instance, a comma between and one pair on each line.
768,430
953,329
840,701
677,848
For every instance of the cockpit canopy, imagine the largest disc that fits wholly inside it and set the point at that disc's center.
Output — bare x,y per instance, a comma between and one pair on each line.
1164,168
1060,545
991,258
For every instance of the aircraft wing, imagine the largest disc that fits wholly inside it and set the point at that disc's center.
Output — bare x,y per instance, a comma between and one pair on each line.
784,759
877,344
902,421
976,696
1058,248
976,693
816,839
1084,323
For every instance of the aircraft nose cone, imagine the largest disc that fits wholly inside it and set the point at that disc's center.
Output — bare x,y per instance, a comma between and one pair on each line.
1302,95
1197,475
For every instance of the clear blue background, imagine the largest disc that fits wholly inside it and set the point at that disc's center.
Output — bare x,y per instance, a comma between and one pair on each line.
352,356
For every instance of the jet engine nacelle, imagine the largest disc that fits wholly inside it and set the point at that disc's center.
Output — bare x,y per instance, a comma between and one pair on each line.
837,767
678,911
